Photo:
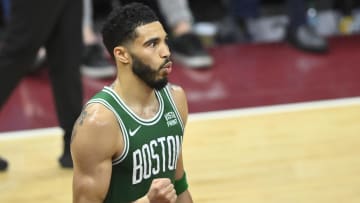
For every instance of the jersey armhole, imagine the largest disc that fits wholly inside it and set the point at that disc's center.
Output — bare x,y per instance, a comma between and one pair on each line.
124,153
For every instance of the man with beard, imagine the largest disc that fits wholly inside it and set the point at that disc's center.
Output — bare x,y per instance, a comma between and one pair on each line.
127,142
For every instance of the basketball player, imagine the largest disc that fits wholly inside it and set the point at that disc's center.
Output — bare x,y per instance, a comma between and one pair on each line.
126,144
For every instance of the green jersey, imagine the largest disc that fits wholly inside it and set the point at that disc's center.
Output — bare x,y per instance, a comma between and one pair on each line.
151,146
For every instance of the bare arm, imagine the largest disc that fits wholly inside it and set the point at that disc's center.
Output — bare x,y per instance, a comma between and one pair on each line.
94,143
181,104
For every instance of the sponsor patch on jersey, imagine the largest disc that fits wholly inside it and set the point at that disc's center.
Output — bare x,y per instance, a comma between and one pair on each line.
170,119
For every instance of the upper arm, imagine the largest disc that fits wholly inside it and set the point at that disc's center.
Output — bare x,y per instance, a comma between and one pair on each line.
93,146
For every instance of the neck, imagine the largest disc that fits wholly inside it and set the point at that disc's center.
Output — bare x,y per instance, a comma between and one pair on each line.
137,95
134,92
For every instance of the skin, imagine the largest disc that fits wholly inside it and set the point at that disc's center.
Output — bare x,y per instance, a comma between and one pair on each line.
93,154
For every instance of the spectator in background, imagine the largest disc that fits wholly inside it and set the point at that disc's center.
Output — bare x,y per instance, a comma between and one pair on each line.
186,46
95,64
56,25
298,32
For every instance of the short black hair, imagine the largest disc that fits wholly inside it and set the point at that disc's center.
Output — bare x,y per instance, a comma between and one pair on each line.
121,23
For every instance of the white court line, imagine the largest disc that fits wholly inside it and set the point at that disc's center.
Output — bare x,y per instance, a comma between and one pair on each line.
242,112
281,108
41,132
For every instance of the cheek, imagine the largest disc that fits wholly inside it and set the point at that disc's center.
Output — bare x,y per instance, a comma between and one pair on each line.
152,61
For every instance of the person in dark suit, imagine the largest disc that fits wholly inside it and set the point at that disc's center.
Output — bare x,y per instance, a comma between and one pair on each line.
56,25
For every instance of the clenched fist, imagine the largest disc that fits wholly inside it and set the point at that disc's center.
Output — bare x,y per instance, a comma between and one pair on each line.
162,191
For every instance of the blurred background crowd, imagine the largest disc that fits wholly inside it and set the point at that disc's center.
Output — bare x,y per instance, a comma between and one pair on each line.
197,25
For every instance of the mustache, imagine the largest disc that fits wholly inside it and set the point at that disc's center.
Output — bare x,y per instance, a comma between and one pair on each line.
167,60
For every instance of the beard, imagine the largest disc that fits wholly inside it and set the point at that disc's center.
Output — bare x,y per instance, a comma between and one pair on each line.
148,75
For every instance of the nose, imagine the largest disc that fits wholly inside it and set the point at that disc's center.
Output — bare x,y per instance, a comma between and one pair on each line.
165,51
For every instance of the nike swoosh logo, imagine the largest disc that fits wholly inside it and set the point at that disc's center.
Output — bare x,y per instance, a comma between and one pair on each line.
133,132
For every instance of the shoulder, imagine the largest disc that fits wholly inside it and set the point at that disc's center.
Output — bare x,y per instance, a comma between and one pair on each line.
180,100
177,92
96,117
96,127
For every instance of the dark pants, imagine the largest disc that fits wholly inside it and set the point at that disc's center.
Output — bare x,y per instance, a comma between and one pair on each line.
250,8
244,9
296,12
56,25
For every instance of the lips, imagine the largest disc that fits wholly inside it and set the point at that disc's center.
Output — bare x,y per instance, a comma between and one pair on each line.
167,67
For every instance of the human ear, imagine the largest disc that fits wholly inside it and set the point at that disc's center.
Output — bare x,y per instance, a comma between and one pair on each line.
121,54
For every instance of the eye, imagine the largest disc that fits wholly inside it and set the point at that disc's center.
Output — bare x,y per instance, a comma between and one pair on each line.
152,44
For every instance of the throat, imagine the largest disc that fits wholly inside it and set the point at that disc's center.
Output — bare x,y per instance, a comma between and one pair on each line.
146,112
144,104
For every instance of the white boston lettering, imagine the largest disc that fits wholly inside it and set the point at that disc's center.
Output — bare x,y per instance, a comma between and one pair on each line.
137,167
155,157
162,142
171,152
147,161
159,155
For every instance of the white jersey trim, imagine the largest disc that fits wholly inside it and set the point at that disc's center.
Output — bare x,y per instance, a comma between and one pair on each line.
123,155
146,122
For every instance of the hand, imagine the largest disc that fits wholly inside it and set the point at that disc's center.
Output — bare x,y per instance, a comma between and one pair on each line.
162,191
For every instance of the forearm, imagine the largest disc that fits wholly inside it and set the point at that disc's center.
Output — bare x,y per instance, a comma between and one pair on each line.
89,189
184,197
144,199
85,199
86,195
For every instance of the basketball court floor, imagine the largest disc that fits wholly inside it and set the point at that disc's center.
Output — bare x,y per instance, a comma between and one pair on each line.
268,123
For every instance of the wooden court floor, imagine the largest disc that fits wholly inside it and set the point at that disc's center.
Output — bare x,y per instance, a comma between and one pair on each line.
298,156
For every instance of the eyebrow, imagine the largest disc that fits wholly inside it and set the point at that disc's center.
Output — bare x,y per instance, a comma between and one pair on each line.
154,39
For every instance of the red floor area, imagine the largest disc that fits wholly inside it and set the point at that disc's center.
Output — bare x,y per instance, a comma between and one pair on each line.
265,74
242,76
